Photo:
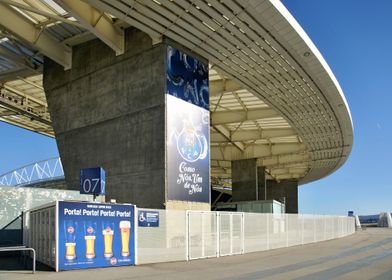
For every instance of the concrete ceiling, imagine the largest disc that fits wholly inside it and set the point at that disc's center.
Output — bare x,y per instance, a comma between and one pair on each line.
273,97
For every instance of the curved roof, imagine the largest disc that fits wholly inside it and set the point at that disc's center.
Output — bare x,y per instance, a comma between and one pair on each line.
273,96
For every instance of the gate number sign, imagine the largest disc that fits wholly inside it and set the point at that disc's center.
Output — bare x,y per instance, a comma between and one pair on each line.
92,181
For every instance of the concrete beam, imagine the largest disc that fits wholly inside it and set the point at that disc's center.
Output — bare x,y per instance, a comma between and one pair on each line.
24,95
217,87
96,22
231,152
119,12
17,59
220,170
26,30
287,176
238,116
16,73
41,12
283,159
14,105
45,131
225,134
256,134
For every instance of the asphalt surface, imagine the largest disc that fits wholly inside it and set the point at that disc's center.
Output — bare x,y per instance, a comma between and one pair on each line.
364,255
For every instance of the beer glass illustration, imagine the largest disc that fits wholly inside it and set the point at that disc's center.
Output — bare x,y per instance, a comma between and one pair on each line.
89,236
108,231
125,229
70,237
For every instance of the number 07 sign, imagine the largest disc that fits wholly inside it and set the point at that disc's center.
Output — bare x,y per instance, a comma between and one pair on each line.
92,181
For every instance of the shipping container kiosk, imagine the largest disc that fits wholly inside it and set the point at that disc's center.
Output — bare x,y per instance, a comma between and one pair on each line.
78,235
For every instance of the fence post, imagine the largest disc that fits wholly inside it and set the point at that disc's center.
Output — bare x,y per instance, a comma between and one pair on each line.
314,229
187,229
217,234
302,229
203,250
333,227
231,232
268,245
243,233
287,229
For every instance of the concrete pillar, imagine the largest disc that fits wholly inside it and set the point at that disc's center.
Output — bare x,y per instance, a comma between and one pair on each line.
248,180
287,189
261,183
110,111
244,179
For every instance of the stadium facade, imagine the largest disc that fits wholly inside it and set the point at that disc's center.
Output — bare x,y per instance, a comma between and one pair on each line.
173,97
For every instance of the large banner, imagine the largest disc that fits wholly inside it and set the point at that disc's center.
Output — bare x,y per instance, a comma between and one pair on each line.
95,235
188,118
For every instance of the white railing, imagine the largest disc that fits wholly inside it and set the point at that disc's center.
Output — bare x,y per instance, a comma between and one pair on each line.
187,235
39,171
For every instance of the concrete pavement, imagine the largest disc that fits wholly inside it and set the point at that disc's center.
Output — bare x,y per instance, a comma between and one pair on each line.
364,255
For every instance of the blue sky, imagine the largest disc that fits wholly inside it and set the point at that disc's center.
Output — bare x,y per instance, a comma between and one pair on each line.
354,37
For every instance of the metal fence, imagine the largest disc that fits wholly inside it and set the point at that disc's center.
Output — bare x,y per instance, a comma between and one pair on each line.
188,235
165,243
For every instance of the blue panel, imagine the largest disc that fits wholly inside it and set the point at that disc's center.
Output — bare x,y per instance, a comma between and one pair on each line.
187,78
369,219
95,235
148,218
92,181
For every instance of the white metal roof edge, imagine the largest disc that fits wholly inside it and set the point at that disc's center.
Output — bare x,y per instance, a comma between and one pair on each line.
301,32
337,97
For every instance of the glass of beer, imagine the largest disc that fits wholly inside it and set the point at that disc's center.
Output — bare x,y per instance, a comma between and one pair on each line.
108,231
89,236
70,251
125,229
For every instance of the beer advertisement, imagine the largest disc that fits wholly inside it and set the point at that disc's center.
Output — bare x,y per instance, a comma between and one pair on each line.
188,117
95,235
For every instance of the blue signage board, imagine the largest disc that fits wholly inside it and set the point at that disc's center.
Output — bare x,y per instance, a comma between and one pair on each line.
92,181
187,78
148,218
369,219
95,235
188,128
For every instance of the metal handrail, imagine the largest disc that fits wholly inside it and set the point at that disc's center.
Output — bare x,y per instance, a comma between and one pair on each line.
20,248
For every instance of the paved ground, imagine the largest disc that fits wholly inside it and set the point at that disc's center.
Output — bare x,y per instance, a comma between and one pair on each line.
365,255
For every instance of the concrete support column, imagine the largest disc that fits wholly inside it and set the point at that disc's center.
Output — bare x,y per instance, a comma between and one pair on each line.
249,184
244,179
101,116
248,180
287,189
111,111
261,183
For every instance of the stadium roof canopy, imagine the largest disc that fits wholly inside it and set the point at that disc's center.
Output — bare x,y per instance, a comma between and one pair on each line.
272,95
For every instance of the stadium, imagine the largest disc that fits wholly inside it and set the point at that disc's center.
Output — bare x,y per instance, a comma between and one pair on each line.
182,107
278,117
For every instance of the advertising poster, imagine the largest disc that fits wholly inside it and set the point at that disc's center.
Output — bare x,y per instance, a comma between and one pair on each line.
95,235
188,117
